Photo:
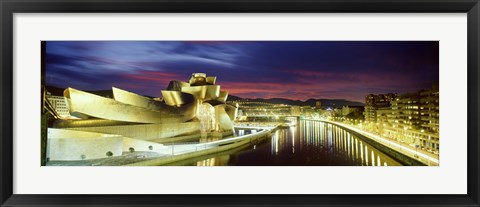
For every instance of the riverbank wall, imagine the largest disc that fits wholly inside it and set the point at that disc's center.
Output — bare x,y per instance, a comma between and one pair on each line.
210,148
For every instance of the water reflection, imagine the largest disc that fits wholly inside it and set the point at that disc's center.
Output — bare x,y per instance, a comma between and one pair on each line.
308,143
216,161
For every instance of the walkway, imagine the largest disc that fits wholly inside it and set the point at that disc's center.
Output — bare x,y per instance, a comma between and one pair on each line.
179,149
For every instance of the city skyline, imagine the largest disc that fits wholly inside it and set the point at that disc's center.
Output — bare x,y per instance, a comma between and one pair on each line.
297,70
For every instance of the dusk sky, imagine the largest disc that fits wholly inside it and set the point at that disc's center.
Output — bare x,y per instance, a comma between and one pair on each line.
296,70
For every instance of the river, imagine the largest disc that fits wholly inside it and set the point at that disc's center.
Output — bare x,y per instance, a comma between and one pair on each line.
309,143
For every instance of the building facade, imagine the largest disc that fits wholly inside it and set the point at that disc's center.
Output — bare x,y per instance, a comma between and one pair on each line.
196,108
374,102
411,118
59,104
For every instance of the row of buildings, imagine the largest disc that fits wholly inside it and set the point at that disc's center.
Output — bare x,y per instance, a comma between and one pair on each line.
412,118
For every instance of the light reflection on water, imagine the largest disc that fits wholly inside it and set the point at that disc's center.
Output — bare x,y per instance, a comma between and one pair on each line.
309,143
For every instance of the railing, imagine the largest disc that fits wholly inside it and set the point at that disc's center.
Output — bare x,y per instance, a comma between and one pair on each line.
179,143
254,125
235,139
187,147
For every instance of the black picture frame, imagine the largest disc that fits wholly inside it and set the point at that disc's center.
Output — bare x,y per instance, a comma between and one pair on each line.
10,7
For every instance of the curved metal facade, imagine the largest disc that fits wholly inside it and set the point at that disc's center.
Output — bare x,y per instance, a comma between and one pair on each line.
197,107
177,98
83,104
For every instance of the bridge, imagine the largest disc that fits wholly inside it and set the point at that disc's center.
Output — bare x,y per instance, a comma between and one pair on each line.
275,116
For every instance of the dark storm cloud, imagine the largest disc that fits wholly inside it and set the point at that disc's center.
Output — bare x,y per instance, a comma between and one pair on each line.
285,69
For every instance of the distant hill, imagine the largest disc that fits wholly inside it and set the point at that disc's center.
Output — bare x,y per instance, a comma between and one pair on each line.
334,102
310,102
233,98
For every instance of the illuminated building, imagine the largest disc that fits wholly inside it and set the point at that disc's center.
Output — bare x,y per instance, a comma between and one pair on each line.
296,111
429,113
59,105
429,109
354,111
406,111
412,118
197,107
374,102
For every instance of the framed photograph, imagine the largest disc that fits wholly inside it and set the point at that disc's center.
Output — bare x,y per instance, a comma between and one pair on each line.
240,103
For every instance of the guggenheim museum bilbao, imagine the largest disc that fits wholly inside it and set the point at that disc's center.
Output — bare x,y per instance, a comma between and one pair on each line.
128,121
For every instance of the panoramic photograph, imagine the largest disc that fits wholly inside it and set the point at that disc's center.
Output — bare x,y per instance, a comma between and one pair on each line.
240,103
